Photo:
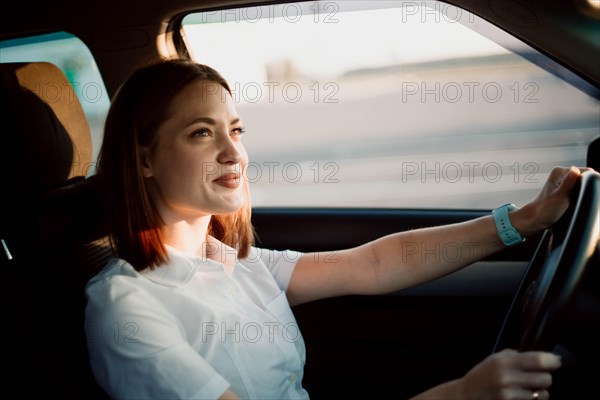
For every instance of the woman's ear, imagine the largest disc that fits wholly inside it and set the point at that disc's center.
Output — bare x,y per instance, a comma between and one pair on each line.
145,161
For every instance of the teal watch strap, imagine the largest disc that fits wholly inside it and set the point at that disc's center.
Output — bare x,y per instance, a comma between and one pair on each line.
507,233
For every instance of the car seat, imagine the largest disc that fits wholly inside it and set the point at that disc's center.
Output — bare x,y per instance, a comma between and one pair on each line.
50,231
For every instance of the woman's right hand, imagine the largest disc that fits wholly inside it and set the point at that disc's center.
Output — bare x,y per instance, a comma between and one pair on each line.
510,374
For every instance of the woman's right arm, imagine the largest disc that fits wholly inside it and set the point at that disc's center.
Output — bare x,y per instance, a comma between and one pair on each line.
507,374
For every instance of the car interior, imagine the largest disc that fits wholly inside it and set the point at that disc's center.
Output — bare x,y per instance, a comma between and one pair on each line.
54,238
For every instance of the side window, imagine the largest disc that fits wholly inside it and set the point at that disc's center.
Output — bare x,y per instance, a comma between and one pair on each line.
390,104
73,57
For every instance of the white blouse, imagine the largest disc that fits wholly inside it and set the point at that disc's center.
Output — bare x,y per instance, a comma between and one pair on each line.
194,327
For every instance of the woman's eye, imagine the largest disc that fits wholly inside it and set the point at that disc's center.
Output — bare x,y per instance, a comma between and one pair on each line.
200,133
239,131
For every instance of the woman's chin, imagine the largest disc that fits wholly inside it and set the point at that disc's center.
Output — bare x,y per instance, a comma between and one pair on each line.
230,205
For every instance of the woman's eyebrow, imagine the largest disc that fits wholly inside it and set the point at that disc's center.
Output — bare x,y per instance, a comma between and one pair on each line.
207,120
211,121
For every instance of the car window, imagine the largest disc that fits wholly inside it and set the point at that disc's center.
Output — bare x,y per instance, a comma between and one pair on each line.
73,57
391,104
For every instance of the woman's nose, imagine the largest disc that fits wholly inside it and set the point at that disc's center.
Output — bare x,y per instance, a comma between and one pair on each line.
228,151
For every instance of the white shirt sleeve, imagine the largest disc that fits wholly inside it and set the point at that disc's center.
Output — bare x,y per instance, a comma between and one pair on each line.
281,264
137,350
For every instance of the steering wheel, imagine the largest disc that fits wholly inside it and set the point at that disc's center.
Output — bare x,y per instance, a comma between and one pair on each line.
552,280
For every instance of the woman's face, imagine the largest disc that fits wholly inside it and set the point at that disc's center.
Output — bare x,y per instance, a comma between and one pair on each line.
198,160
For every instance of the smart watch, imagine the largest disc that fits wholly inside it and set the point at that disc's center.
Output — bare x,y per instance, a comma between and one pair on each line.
507,233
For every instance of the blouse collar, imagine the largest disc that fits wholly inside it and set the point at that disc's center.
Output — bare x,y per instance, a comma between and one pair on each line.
181,266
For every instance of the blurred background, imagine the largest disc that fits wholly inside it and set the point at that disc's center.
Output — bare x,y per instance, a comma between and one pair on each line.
409,104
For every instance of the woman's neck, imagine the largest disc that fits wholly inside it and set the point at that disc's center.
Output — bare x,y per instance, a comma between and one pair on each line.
188,236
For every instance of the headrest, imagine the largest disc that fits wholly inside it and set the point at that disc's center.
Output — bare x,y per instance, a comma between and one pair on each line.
45,142
50,85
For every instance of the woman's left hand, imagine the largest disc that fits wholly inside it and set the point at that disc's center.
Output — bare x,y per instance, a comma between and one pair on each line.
551,203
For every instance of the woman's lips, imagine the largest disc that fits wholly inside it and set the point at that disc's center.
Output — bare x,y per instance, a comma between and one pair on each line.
230,181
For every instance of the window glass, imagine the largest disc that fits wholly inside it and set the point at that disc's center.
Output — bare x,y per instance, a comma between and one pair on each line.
73,57
391,104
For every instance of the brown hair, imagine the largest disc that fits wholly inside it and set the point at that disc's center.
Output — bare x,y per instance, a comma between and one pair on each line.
138,109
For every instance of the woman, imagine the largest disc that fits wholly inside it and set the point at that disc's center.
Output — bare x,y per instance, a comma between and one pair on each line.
189,309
